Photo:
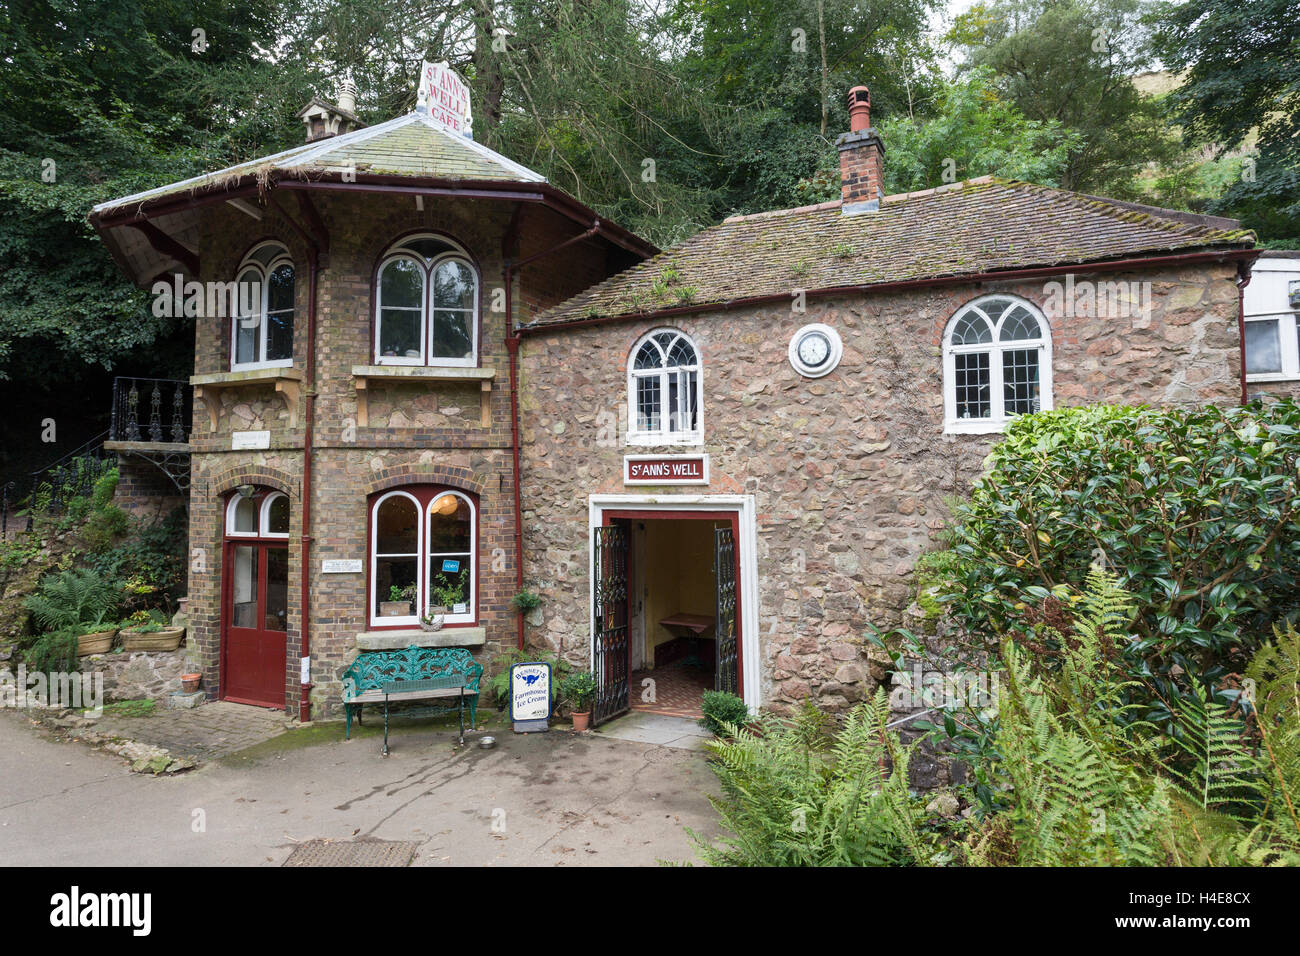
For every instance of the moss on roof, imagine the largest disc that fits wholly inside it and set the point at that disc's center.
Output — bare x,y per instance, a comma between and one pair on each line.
982,225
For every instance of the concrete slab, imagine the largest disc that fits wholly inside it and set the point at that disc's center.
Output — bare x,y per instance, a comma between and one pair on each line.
536,799
677,732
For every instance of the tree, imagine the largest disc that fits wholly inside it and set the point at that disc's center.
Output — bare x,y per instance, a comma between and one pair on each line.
1072,62
1241,66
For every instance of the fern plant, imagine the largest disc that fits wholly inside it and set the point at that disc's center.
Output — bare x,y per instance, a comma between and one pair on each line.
73,598
794,795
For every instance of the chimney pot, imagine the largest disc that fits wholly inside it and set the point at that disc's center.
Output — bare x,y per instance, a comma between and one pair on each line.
859,109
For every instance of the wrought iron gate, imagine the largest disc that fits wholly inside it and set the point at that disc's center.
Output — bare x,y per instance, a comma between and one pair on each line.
609,655
725,676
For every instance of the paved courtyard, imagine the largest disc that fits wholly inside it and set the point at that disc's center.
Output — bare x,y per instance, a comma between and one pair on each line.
535,800
204,733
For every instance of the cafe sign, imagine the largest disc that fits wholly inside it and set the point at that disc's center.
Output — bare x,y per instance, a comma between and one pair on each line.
445,97
666,469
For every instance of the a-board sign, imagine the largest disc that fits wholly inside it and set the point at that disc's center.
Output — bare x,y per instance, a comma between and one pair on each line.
530,696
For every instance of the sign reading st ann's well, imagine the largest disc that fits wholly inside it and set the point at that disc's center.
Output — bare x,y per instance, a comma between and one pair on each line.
666,469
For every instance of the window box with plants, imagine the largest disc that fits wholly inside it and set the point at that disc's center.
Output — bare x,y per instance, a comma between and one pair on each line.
150,631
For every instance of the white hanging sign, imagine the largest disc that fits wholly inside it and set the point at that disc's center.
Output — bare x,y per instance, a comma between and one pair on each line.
445,97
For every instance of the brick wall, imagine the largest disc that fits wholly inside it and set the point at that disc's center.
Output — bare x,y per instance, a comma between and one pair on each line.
416,433
849,471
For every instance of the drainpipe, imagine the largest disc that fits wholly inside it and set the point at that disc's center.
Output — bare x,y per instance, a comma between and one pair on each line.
1243,280
304,606
512,347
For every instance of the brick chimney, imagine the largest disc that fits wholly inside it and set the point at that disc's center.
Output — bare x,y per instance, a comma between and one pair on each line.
862,158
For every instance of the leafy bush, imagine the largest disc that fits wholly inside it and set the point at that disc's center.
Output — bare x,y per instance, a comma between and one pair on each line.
152,557
53,652
73,598
721,708
1197,511
525,601
579,690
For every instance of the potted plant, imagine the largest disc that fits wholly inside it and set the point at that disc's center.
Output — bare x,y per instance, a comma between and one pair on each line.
429,621
399,601
579,690
447,593
150,631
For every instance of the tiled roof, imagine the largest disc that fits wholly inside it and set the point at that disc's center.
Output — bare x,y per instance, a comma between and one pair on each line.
982,225
412,146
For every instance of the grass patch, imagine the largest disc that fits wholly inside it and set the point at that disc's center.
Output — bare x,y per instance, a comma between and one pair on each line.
132,708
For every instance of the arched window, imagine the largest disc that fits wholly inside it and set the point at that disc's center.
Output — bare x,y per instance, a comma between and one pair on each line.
426,309
663,390
261,333
258,513
423,556
997,364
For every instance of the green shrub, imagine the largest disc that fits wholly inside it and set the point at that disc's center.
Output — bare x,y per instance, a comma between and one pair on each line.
1197,511
152,556
578,690
526,600
721,708
56,651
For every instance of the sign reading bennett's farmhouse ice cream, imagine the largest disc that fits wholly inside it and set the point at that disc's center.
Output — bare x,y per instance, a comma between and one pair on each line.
666,469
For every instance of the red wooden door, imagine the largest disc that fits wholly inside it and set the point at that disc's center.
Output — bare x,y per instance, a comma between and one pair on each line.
257,601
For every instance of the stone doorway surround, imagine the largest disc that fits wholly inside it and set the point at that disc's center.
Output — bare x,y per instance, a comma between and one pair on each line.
747,546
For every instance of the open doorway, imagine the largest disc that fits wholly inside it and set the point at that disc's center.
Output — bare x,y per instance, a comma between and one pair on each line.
675,616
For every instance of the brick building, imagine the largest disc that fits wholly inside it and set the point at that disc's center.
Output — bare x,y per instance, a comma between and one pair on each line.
388,266
728,454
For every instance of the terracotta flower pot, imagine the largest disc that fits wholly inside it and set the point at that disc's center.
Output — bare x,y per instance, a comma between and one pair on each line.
581,720
190,682
164,640
98,643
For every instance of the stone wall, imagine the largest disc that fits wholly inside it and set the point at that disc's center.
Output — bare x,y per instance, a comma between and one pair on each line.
143,491
139,674
848,472
425,433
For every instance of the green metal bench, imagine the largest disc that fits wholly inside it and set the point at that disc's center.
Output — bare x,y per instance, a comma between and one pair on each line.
412,673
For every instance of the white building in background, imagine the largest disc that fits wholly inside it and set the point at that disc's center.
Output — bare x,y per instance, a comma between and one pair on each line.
1272,310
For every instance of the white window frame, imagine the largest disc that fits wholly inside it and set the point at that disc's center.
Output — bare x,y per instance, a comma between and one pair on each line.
400,250
1288,340
997,401
472,596
374,618
231,505
264,516
662,436
423,561
264,272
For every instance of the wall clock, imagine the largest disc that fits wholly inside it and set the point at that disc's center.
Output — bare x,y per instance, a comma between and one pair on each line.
815,350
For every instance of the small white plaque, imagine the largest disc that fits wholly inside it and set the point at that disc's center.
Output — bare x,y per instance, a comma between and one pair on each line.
242,441
341,566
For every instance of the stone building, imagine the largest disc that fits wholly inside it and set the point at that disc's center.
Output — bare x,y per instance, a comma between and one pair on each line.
718,462
734,451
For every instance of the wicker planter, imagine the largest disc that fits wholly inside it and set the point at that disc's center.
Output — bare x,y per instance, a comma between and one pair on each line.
98,643
166,640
